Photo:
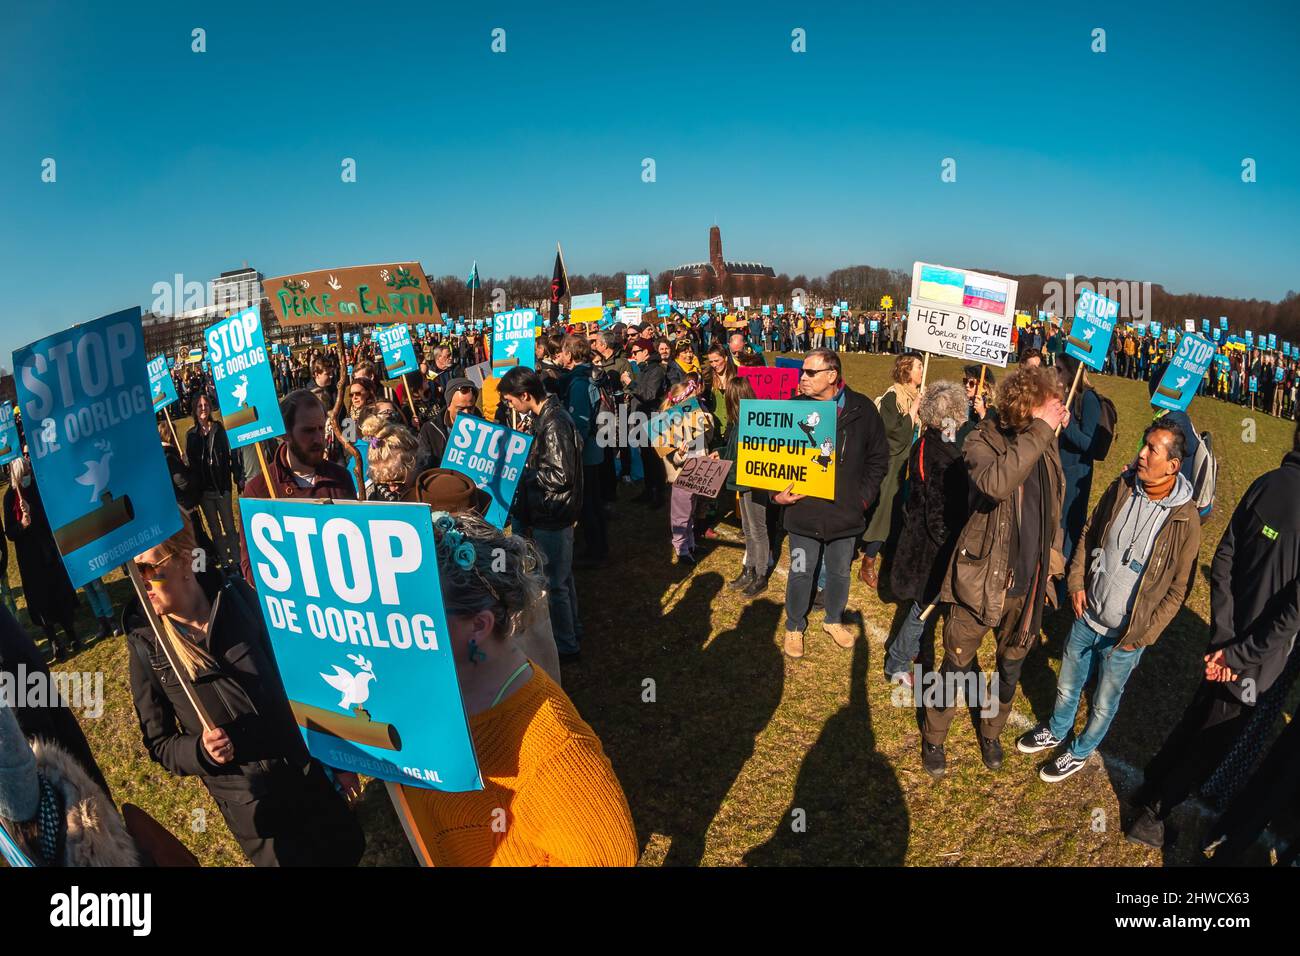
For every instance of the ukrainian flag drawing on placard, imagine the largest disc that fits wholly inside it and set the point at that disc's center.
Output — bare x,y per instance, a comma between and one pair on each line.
587,308
985,295
942,285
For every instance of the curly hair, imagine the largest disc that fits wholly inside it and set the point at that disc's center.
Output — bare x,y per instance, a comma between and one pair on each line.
943,404
1024,390
506,576
392,453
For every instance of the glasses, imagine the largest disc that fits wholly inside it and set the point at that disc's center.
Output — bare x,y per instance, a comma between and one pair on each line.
149,570
809,372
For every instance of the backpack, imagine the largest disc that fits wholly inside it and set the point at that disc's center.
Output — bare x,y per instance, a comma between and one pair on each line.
1107,421
1205,476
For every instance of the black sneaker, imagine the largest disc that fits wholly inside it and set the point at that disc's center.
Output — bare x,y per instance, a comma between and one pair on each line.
757,585
991,752
687,559
1063,766
819,601
1040,738
1147,830
933,760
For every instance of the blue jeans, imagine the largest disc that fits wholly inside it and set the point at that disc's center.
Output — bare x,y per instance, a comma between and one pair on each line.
100,604
838,558
1087,651
907,644
562,596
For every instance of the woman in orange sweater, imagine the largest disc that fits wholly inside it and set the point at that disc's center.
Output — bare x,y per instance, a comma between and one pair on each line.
550,796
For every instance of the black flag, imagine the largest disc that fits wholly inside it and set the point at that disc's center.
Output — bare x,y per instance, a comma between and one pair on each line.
559,287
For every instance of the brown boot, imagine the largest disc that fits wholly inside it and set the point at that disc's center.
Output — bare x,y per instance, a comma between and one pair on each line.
867,572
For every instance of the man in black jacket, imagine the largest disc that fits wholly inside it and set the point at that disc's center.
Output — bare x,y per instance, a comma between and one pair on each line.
1255,611
823,531
647,389
549,499
213,466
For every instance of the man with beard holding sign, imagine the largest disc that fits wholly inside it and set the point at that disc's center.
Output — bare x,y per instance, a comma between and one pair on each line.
823,531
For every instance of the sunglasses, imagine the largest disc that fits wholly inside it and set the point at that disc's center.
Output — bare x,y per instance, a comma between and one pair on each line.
809,372
149,571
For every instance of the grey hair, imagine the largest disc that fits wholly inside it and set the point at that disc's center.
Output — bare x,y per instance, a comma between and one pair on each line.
943,404
506,577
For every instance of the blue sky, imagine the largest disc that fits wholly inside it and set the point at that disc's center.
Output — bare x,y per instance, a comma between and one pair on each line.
1125,163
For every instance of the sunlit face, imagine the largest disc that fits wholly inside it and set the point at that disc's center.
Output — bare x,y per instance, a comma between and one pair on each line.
324,378
162,575
203,409
665,352
718,363
816,379
358,394
1154,463
460,400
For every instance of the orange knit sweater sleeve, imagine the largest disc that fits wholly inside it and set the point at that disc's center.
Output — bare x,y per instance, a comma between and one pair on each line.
574,810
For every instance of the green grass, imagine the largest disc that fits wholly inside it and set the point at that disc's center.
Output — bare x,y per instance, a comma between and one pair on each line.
740,743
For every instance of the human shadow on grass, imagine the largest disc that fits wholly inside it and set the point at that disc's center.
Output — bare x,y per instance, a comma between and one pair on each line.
679,742
848,807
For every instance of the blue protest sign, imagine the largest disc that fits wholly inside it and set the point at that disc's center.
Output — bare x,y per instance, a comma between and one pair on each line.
835,312
514,339
460,328
250,409
162,388
820,310
1254,385
421,329
9,447
492,456
1184,374
351,598
1272,341
1171,335
1250,337
638,291
767,310
787,444
1277,374
395,344
1218,333
93,439
780,308
1205,326
875,325
844,328
1223,322
788,363
1155,329
1091,331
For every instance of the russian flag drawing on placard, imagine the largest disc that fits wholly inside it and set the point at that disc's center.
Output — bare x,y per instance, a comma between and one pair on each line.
941,285
987,296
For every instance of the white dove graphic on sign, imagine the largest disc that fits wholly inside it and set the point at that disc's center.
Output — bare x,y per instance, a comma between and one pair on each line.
334,284
512,348
241,392
1180,382
96,473
355,688
1088,333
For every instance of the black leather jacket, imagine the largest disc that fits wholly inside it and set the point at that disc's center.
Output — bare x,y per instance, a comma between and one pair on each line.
551,496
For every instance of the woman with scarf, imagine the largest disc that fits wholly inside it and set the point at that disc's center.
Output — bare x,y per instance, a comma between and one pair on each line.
686,433
898,410
50,597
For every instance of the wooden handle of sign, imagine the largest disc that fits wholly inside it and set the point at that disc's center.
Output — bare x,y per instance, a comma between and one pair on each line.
266,475
926,613
979,389
403,810
350,448
164,634
176,438
1078,374
925,369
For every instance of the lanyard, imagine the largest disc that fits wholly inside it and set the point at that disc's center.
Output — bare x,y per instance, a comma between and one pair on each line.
509,680
1138,531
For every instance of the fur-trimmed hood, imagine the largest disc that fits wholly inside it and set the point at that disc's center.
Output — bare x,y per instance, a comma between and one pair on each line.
95,833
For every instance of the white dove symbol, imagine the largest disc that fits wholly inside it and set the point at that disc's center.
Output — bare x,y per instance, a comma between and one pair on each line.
355,688
241,392
96,476
1089,333
158,389
1180,382
512,348
334,284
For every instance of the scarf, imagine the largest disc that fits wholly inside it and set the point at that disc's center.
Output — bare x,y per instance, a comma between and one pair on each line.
1031,617
1158,490
905,393
688,367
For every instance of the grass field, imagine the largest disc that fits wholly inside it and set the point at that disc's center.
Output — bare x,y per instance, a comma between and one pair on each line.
740,743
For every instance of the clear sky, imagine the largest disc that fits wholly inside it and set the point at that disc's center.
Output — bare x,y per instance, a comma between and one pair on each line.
1125,163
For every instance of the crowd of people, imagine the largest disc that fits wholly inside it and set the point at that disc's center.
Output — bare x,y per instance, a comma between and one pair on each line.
973,494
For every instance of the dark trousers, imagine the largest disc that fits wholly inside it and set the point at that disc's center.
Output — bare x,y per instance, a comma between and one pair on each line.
1210,726
608,477
962,635
652,467
592,520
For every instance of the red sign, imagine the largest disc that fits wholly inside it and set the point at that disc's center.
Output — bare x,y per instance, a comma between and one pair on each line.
771,383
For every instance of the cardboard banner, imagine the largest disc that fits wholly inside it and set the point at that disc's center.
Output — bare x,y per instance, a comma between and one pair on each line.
477,373
162,388
492,456
784,443
638,291
703,476
1179,383
674,426
395,348
587,308
490,397
250,409
514,338
386,292
1094,324
9,444
960,314
630,316
771,383
351,597
93,439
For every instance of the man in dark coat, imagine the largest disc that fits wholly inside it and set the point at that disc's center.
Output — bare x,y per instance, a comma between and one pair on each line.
1255,615
825,531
